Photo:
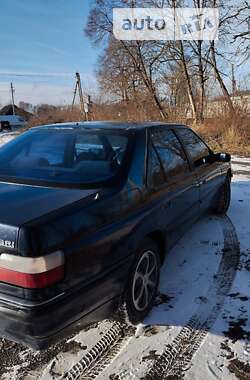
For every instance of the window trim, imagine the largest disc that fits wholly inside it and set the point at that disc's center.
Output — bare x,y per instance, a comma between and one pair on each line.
184,150
149,146
146,157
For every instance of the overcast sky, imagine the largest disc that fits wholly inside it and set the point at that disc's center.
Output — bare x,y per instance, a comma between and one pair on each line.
42,46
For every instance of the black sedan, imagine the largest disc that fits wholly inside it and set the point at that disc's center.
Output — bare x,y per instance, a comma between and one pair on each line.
88,212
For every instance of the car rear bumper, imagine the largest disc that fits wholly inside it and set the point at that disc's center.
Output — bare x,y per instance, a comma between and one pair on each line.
39,325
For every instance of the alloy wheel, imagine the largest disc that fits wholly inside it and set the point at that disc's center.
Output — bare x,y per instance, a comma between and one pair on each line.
145,280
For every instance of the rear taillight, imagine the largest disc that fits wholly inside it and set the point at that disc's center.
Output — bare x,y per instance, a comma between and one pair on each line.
32,273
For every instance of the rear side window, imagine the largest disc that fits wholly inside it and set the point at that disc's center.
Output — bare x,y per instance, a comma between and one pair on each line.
156,177
170,152
196,148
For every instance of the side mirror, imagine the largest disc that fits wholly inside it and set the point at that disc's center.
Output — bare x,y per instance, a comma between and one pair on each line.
213,157
223,157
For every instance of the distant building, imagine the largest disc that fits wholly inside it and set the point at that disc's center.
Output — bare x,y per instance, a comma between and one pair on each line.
8,121
216,106
8,111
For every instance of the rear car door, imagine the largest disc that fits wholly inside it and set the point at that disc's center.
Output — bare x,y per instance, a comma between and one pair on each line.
170,179
208,172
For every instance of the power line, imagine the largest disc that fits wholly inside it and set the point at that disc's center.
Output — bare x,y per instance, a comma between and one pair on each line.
36,75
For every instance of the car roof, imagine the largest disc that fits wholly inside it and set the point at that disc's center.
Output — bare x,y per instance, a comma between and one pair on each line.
108,125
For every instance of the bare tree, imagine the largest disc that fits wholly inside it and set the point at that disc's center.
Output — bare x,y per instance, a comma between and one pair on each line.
242,34
143,54
233,16
131,68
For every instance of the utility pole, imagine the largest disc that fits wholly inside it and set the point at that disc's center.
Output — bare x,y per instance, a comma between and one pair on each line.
78,79
234,83
85,101
74,96
12,96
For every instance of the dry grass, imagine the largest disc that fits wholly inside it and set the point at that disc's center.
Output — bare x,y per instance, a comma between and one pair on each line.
225,133
55,116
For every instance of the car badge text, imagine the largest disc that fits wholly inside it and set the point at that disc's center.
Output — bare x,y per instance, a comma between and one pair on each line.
7,243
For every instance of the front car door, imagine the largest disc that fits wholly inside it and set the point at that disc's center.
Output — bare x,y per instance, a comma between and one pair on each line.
208,172
171,180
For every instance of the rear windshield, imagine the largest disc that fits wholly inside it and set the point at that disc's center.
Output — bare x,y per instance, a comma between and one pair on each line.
63,157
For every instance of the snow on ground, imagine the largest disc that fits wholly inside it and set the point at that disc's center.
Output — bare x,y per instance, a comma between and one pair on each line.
7,136
186,277
228,343
242,159
241,165
201,320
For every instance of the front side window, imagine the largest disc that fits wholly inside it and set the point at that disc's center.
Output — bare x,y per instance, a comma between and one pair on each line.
170,152
196,148
63,157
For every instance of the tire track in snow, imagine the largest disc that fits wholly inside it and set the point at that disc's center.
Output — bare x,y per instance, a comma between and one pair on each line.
241,167
242,163
177,356
107,359
102,354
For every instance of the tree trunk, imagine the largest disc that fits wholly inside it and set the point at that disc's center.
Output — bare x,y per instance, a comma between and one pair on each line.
189,84
220,80
140,68
150,86
157,102
202,84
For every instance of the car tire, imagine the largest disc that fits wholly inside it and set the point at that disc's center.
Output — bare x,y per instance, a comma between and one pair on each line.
224,198
142,283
